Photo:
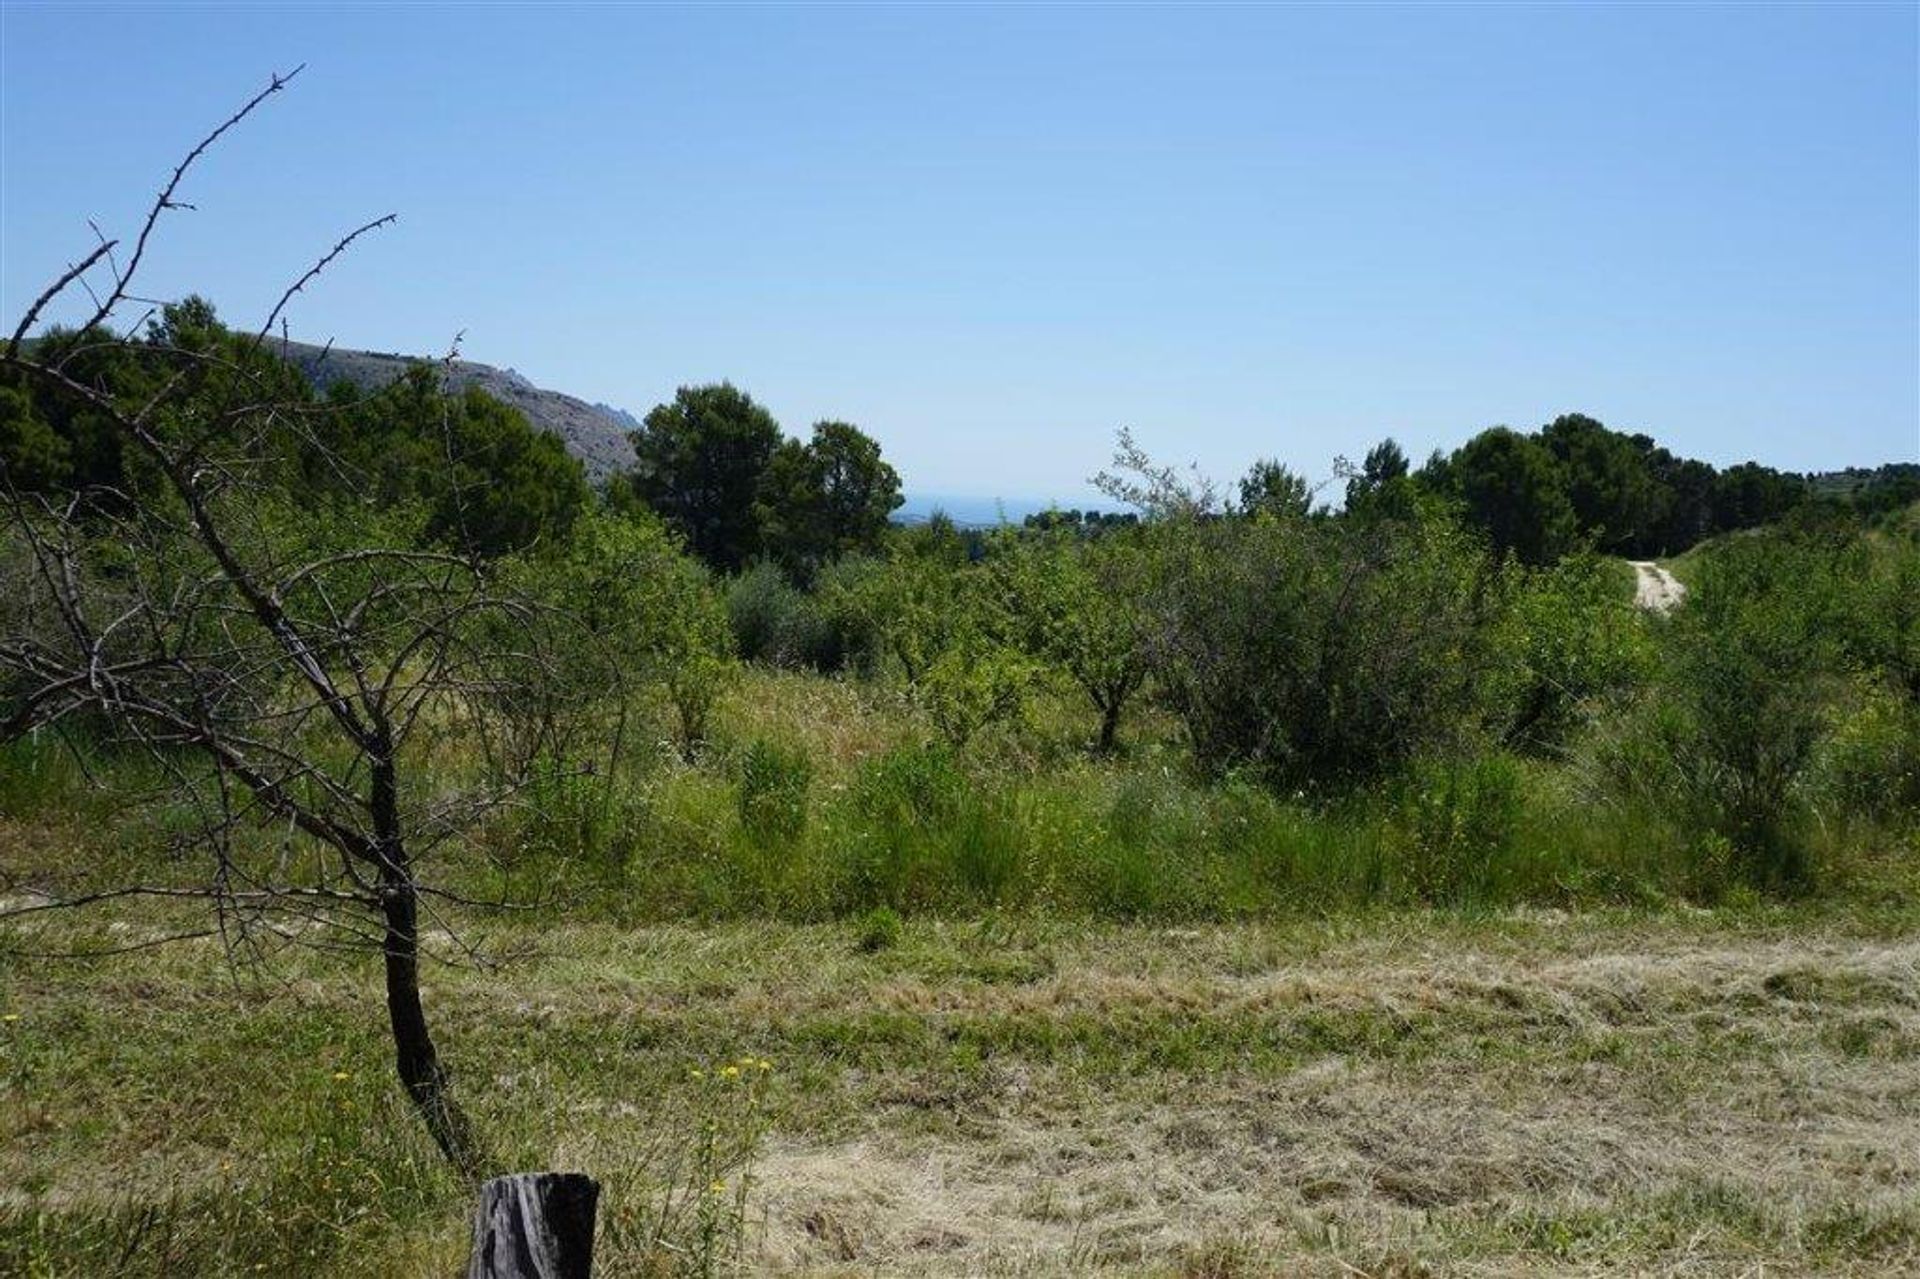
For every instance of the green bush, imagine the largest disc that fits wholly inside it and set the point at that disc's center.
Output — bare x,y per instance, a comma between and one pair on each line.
1572,639
1319,653
776,623
763,611
773,789
1869,764
1074,605
880,929
974,684
1754,661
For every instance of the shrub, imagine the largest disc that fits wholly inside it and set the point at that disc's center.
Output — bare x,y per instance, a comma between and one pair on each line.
1319,652
759,604
843,637
1884,629
915,786
1752,666
1573,637
1869,764
1074,604
909,606
880,929
775,622
773,789
651,619
974,683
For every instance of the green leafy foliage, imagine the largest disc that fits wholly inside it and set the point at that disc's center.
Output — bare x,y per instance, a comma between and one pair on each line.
1573,638
773,789
700,463
913,603
974,682
652,621
1321,653
825,499
1074,604
1754,661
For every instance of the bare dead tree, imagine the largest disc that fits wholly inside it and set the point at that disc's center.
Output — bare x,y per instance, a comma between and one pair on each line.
295,681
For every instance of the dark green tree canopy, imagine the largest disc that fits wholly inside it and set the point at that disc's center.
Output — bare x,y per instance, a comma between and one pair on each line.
1510,486
1625,494
473,473
830,497
1272,487
1381,485
1613,496
54,442
700,462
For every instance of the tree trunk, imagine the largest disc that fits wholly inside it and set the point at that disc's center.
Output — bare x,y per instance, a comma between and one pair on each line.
535,1225
414,1054
1109,726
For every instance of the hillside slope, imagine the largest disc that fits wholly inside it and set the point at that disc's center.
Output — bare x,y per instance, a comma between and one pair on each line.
594,433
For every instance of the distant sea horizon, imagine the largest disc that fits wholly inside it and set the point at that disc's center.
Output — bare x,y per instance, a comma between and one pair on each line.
974,510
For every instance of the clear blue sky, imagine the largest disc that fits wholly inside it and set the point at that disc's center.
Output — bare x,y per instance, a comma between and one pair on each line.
991,235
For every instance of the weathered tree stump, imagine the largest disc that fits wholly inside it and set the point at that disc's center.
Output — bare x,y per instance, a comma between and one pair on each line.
535,1225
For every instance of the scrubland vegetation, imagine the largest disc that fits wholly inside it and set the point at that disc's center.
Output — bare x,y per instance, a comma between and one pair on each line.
1214,896
1239,886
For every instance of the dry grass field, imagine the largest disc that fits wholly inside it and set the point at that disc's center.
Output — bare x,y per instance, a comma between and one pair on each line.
1689,1092
1254,1060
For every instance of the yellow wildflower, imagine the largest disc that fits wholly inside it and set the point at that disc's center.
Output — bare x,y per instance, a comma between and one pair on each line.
341,1074
731,1072
765,1064
717,1188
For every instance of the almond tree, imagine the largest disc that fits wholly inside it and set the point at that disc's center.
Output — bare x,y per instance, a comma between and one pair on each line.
289,662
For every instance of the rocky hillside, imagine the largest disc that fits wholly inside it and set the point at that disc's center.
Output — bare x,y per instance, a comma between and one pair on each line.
594,433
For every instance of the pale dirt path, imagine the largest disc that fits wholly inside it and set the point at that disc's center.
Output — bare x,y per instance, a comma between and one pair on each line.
1655,588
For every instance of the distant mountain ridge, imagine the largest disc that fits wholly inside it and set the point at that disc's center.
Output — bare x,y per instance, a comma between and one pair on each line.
594,433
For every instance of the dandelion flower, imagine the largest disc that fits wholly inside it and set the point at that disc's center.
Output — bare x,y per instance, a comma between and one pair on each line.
717,1188
731,1072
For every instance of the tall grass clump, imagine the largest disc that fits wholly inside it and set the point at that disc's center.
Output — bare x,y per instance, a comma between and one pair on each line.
40,772
684,1211
339,1172
774,781
1461,825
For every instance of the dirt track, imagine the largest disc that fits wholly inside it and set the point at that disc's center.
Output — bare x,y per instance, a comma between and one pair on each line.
1654,587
